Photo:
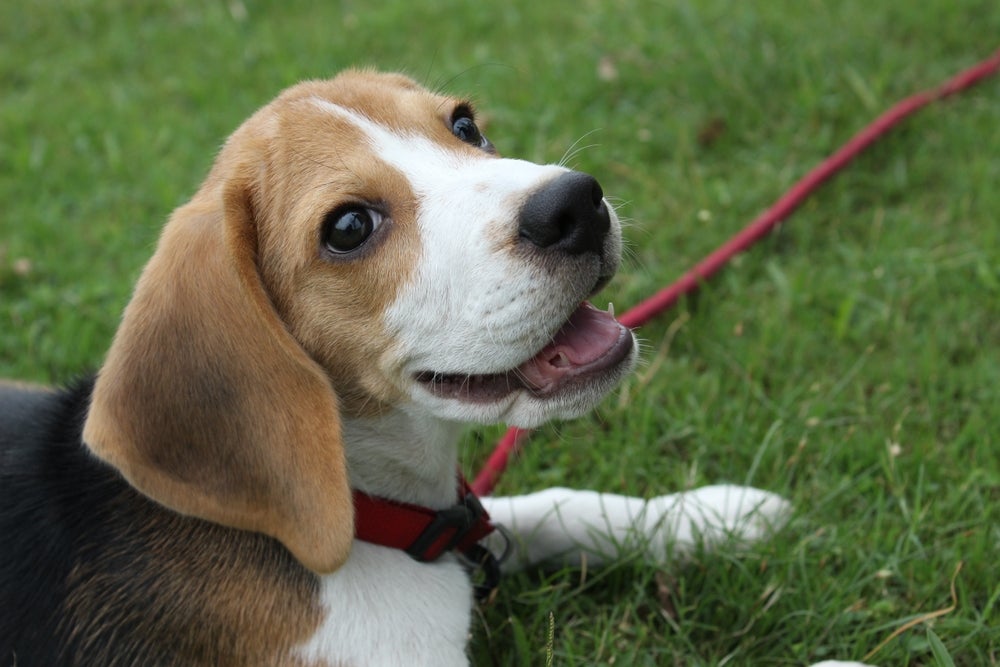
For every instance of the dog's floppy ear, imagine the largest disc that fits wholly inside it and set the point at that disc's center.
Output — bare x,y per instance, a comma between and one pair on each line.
206,403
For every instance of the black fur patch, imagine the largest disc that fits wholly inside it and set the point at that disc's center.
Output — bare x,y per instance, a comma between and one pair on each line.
93,573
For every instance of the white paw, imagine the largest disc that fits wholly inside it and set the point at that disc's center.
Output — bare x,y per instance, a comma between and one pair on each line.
713,515
839,663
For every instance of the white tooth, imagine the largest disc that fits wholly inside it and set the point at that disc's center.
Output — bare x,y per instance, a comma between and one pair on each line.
611,309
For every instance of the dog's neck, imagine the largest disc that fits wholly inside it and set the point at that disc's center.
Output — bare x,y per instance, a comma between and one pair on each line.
408,457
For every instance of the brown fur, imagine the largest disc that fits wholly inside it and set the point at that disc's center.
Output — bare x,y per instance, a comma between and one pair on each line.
253,606
221,393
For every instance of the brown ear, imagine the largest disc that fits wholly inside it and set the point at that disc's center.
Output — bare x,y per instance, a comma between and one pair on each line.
206,403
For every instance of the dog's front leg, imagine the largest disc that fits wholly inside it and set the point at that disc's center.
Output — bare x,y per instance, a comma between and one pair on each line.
564,526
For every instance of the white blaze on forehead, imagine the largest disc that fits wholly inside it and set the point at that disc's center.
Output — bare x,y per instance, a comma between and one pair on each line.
472,306
430,167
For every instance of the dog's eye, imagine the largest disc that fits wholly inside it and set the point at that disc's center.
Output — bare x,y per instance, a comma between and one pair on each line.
346,229
465,128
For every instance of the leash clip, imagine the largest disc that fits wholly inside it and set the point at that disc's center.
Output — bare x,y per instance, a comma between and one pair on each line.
484,566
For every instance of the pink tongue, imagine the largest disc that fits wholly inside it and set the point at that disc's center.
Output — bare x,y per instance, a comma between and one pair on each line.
586,342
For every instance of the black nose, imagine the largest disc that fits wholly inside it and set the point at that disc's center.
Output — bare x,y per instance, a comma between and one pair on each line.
567,214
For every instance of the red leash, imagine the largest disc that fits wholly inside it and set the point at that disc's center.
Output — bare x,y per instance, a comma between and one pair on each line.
791,200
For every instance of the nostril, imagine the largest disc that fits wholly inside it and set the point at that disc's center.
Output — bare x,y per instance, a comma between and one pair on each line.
597,194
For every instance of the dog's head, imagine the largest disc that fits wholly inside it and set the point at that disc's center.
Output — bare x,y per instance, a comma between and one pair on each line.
358,246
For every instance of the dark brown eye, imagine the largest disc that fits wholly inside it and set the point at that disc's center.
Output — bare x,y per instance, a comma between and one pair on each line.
464,127
346,229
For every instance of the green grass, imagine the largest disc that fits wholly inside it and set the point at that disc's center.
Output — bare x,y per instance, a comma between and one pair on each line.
850,361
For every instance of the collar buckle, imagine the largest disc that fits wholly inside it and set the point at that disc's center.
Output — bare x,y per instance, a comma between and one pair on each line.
458,527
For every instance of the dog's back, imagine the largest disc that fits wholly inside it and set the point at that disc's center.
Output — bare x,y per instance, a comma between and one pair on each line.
47,481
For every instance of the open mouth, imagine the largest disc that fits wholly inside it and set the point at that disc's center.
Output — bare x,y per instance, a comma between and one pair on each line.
588,343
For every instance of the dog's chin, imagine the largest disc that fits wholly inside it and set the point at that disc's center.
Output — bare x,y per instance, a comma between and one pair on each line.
586,358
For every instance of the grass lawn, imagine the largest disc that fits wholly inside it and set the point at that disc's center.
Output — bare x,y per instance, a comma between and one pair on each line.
850,362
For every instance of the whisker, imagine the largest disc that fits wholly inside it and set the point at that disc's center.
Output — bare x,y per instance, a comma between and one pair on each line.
574,148
439,88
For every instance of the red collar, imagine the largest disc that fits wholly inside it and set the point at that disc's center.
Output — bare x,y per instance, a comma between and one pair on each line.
421,532
426,534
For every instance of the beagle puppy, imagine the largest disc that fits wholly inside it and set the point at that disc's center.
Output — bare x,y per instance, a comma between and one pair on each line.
263,472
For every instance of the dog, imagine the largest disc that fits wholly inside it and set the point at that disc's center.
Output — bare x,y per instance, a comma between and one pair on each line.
264,470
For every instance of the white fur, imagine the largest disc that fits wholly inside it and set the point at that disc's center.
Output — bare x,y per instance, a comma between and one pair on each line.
475,307
567,525
385,609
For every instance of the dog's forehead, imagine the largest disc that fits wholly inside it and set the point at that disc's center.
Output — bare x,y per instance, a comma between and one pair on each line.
364,122
390,101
